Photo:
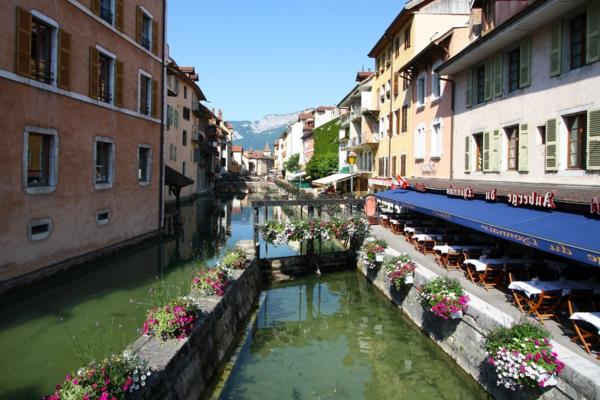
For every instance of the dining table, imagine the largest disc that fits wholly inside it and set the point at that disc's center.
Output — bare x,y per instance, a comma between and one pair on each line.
447,248
592,318
481,264
534,287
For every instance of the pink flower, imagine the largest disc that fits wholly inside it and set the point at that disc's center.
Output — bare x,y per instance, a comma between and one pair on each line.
104,396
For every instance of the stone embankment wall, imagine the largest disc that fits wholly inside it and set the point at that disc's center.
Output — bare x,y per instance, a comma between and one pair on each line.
463,340
184,368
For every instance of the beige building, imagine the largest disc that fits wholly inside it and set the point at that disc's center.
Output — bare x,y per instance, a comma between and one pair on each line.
80,94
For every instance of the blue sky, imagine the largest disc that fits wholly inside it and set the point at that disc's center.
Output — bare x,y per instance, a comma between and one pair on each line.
275,56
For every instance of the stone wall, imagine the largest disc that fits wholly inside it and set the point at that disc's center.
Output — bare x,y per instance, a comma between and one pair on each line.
184,368
463,341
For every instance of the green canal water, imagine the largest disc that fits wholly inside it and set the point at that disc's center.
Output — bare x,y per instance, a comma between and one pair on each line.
336,337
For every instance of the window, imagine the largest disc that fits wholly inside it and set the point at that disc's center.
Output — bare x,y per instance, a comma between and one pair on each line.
103,163
196,154
403,165
398,119
576,126
542,133
172,152
146,31
512,135
407,38
40,160
183,168
436,85
436,140
184,138
394,159
397,46
513,70
39,229
405,118
106,10
480,85
478,138
185,92
176,119
420,142
105,77
42,36
577,41
383,166
102,216
145,93
186,113
169,117
144,162
404,84
421,91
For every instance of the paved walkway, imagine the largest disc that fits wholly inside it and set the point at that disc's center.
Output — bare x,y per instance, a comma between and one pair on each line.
493,297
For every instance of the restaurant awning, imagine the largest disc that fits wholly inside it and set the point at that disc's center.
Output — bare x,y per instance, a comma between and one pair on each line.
333,179
175,178
568,235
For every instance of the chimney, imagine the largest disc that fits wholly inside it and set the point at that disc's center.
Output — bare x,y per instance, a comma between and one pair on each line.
220,115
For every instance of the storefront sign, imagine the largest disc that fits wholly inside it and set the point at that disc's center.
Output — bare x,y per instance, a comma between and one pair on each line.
491,196
595,205
532,199
465,193
420,187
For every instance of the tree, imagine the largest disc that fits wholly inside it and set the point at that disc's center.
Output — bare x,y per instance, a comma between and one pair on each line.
322,165
293,163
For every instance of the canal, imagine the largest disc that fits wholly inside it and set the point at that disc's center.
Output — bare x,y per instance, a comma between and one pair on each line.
336,337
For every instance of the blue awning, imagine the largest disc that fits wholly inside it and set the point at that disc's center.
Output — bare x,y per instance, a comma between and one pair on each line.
569,235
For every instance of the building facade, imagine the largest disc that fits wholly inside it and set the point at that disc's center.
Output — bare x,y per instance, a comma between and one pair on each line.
80,93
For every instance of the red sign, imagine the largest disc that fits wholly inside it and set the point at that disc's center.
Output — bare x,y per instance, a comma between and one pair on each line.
491,196
465,193
595,205
532,199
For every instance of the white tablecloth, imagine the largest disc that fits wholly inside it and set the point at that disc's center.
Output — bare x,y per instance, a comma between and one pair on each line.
482,263
531,288
591,317
445,248
424,236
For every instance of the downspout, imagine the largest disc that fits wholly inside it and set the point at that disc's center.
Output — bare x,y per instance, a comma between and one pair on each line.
391,115
451,125
161,182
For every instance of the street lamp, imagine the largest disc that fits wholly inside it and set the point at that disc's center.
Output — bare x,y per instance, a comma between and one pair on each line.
351,159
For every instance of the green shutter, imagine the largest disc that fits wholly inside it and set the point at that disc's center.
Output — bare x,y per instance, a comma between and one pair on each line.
525,63
551,145
592,43
523,147
498,84
495,151
486,151
469,89
593,140
468,154
489,65
555,49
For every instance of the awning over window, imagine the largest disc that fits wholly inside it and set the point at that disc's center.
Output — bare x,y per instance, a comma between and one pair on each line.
176,179
333,179
568,235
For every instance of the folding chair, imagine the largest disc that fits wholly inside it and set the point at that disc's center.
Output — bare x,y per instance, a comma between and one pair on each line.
491,276
545,305
426,246
515,274
583,330
453,261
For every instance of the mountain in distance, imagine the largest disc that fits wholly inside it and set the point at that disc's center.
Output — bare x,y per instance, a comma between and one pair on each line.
255,134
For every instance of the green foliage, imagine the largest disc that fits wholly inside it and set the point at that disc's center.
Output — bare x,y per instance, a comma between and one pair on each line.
234,259
293,163
514,336
326,138
322,165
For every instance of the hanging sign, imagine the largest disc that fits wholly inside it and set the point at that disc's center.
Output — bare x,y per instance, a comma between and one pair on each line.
465,193
532,199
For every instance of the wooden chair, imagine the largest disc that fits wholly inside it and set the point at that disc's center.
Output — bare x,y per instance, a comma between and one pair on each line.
426,246
453,261
545,305
491,277
518,298
471,273
585,333
472,254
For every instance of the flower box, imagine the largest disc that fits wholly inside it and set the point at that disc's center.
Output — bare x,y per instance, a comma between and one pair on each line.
456,315
379,257
444,297
399,270
409,279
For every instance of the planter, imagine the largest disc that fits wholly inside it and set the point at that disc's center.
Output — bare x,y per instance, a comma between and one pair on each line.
409,279
456,315
379,257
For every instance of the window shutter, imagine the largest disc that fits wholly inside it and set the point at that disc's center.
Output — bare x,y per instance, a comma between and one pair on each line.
486,151
498,75
555,49
154,98
489,65
523,147
525,61
551,145
139,17
469,89
155,37
96,7
495,151
593,140
119,84
64,60
94,72
23,44
119,14
467,154
592,52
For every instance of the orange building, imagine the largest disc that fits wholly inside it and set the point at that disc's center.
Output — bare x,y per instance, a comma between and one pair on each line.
81,99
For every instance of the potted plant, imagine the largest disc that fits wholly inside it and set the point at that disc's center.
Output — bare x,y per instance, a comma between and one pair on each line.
444,297
372,252
522,356
234,259
172,321
399,270
211,281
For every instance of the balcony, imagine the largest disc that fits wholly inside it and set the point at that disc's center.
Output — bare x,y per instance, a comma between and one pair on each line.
345,120
198,135
356,112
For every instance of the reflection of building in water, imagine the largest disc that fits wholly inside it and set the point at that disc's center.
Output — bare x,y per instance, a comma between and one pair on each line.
223,223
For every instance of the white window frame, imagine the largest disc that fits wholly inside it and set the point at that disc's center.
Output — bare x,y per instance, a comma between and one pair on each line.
111,163
103,222
422,76
145,74
39,221
52,162
437,141
113,74
53,45
434,77
113,10
419,148
148,164
149,15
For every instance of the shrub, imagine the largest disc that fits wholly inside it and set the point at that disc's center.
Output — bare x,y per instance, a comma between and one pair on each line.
522,356
234,259
444,297
398,268
174,320
211,281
